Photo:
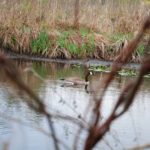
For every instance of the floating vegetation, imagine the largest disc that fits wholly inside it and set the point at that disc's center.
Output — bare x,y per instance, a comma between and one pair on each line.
76,66
130,72
127,72
100,69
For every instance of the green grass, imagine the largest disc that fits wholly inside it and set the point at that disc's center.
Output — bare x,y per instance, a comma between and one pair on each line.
140,49
65,34
70,46
41,43
13,41
40,69
120,36
92,43
66,41
115,38
83,32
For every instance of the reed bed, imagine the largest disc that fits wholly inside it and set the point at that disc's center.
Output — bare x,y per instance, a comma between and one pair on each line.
46,28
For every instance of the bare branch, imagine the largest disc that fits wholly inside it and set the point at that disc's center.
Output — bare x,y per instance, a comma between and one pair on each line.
13,74
127,95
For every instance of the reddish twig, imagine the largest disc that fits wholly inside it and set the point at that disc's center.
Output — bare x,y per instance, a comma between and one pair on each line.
126,98
120,60
13,74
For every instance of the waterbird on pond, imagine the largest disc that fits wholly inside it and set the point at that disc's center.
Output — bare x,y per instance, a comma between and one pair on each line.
77,80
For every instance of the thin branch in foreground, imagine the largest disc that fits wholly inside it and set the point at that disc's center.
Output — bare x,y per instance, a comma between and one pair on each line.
120,60
141,147
12,73
16,120
53,131
127,95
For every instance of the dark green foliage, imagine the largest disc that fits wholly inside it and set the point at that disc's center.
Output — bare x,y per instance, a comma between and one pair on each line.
41,43
140,49
13,41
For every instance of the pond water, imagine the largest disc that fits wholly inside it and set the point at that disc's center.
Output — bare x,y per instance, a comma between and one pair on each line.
23,129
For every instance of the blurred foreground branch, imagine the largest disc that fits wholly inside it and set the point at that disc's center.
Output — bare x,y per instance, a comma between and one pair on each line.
96,132
12,73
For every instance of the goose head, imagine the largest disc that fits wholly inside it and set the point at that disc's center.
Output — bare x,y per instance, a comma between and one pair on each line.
87,75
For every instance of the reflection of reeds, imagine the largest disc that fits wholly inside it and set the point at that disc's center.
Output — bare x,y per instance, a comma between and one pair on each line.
9,70
96,131
48,27
13,74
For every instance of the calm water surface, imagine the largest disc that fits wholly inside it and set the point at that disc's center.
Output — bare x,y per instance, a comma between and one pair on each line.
23,129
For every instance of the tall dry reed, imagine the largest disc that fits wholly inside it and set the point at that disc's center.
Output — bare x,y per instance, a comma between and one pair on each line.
22,21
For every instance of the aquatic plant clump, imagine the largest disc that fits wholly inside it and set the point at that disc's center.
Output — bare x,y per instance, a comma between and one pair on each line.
48,29
130,72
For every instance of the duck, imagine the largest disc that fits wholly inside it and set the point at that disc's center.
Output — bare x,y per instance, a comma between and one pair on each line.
77,80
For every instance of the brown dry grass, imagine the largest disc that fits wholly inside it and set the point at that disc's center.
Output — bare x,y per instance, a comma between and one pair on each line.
21,21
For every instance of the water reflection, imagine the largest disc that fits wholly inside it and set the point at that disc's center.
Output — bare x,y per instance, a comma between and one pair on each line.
31,130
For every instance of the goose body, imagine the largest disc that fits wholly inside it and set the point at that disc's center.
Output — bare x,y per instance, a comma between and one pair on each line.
77,80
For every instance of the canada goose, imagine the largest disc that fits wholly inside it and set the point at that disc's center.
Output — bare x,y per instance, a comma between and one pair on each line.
77,80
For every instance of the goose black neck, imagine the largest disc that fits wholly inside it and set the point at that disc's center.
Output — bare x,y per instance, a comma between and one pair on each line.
86,77
86,90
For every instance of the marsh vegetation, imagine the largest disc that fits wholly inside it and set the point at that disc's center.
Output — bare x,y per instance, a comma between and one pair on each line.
33,99
71,28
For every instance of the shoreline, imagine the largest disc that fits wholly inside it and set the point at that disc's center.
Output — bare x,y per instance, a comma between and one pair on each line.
87,62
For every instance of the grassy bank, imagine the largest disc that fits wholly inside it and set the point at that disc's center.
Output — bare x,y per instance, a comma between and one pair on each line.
46,28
